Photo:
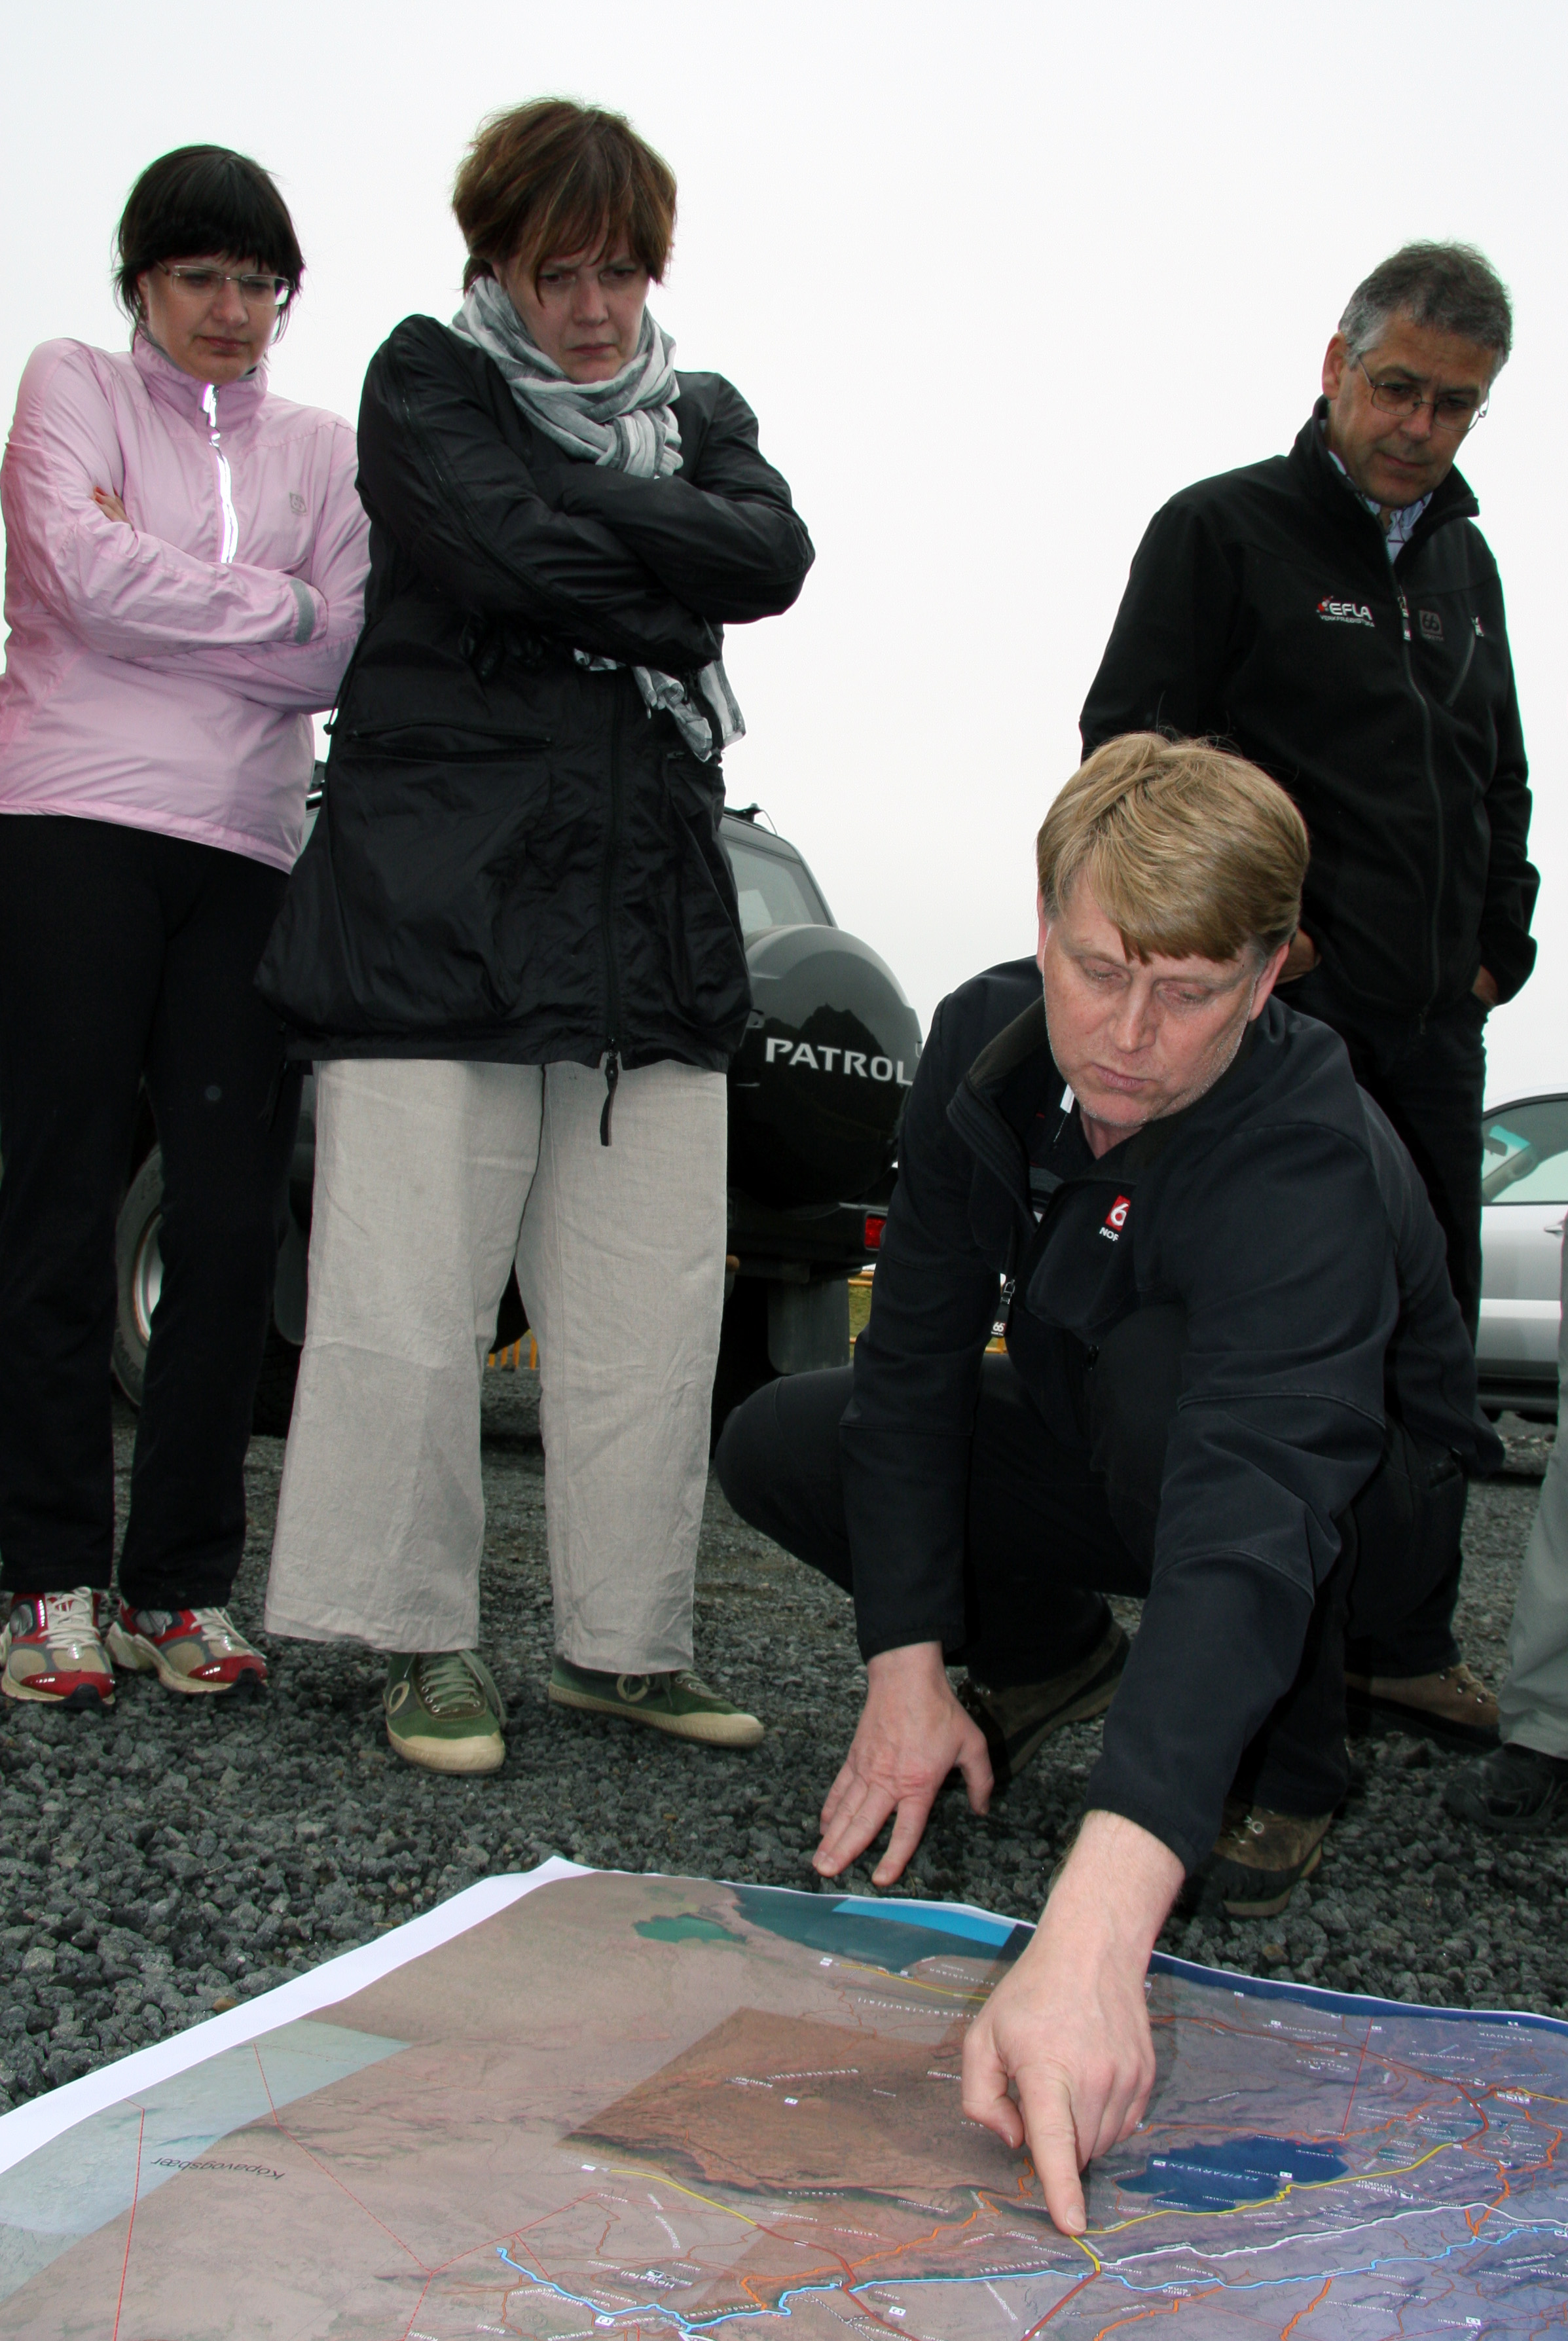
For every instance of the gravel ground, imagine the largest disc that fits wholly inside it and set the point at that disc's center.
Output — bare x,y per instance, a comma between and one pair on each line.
176,1855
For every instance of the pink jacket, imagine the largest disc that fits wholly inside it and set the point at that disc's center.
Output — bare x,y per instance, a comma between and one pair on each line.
163,675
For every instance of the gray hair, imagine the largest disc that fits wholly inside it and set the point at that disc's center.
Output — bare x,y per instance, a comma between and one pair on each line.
1449,286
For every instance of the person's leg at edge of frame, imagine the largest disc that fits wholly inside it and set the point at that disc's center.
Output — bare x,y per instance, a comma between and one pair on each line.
1431,1083
1522,1790
81,953
225,1106
422,1170
621,1267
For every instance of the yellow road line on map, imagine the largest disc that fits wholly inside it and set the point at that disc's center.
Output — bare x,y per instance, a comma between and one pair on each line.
630,2170
1263,2202
911,1983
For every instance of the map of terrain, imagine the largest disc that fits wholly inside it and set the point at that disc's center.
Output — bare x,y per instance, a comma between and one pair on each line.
663,2108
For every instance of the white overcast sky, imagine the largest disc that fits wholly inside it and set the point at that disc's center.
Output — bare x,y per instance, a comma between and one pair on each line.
997,279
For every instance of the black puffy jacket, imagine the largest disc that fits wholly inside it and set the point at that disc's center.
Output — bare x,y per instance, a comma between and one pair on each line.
515,862
1263,609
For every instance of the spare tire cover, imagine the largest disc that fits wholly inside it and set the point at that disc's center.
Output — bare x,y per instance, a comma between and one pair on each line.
818,1083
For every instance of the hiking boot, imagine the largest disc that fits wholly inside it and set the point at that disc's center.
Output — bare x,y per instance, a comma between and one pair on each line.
1258,1857
51,1649
678,1703
444,1710
1454,1707
1517,1790
196,1650
1017,1722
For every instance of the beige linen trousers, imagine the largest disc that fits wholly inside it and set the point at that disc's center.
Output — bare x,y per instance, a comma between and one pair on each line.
431,1178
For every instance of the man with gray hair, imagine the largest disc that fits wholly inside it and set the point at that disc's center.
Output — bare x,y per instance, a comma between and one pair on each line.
1335,616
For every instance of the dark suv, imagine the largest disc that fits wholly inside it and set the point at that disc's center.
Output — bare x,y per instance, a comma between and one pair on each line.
816,1089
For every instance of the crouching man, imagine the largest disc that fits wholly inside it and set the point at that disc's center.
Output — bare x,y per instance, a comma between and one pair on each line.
1235,1383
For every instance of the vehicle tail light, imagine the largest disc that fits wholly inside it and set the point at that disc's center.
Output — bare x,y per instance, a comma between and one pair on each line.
874,1223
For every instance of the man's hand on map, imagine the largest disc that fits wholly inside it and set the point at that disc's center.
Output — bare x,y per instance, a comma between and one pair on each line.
911,1732
1067,2027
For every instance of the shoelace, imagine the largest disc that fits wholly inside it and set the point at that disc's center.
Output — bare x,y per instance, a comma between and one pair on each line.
69,1618
447,1687
685,1679
221,1631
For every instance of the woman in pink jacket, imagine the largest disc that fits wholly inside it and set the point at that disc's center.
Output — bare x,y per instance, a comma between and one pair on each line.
185,574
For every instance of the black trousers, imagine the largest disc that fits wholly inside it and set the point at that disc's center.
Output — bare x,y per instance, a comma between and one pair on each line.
123,954
1430,1078
1050,1530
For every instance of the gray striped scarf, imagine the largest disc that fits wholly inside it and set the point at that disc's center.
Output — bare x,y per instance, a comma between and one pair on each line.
627,424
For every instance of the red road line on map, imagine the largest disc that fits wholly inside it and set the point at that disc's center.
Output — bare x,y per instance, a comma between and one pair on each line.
1081,2285
1307,2311
283,2130
417,2306
1162,2308
1355,2082
130,2231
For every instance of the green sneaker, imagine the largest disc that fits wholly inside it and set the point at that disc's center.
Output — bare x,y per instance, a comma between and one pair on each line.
677,1703
444,1710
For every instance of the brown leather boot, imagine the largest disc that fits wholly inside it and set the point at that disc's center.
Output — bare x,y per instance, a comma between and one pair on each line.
1018,1721
1258,1858
1454,1707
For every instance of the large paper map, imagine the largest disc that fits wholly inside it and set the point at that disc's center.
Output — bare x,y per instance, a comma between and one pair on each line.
661,2108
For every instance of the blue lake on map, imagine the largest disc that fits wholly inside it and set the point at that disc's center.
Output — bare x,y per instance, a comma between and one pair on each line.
1221,2177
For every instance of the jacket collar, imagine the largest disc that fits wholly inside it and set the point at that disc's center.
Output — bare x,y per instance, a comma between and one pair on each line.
1015,1068
170,386
1315,471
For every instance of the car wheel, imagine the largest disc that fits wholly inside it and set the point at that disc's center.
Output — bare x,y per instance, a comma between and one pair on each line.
138,1274
139,1279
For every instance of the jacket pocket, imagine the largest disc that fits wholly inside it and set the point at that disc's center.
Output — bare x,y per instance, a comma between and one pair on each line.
436,743
420,902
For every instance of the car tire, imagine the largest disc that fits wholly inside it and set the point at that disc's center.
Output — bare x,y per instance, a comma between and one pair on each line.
138,1276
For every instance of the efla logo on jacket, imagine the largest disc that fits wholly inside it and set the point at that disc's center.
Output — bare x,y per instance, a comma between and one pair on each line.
1345,613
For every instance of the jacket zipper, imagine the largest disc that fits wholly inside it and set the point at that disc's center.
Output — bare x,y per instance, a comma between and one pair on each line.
231,528
606,908
1431,767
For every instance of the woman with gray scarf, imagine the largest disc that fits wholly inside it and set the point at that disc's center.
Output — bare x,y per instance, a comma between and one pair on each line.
512,946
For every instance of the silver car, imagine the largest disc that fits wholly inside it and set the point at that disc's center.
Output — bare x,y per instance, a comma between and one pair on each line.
1524,1200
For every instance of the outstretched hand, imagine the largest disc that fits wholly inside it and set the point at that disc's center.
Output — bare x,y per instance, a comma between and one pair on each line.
911,1732
1067,2027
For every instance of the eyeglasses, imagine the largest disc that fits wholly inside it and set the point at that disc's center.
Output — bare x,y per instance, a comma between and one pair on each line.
1453,411
206,284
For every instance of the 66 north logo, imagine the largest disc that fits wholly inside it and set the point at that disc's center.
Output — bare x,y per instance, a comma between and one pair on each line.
1115,1219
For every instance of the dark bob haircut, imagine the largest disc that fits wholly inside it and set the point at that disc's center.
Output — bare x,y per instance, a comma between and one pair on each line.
555,177
203,200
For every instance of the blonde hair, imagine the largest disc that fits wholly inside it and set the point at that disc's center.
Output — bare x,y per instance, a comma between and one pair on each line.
1191,853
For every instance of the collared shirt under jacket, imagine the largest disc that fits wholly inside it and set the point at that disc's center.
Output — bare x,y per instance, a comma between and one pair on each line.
1281,1213
516,861
1262,609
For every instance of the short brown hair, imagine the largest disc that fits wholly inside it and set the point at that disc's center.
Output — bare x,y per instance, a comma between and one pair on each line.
1191,852
556,177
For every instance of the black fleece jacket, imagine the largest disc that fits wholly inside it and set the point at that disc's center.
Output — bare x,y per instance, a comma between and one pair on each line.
1262,609
1286,1218
516,861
